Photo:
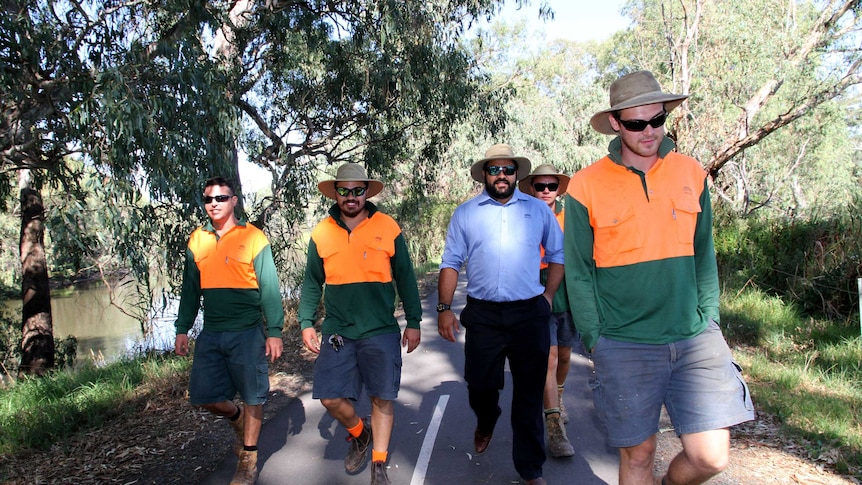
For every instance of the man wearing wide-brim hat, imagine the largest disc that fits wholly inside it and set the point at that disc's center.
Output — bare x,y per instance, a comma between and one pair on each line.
547,184
498,235
358,252
639,252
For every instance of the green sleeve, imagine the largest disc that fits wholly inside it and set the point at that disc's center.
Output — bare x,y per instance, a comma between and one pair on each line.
190,296
270,292
704,259
312,287
405,281
580,271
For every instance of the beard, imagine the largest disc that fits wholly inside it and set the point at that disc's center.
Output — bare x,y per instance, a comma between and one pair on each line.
492,190
351,209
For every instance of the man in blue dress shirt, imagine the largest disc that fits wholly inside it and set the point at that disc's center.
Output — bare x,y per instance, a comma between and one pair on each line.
498,234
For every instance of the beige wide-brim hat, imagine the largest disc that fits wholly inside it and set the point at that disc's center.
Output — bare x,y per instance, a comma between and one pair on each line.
350,172
635,89
545,169
500,152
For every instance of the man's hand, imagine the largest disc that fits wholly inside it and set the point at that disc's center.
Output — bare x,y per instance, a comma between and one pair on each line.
181,344
274,347
447,325
411,339
309,338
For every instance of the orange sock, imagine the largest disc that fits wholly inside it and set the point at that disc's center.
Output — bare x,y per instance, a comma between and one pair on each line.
379,455
356,430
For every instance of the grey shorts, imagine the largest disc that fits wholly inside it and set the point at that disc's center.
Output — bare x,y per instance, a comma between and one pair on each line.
374,362
229,362
562,330
696,379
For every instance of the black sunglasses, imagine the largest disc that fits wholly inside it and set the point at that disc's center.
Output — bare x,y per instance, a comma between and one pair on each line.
356,191
553,186
218,198
640,125
494,170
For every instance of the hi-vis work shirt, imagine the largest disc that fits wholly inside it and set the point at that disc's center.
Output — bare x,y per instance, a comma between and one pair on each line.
236,276
560,303
640,260
358,268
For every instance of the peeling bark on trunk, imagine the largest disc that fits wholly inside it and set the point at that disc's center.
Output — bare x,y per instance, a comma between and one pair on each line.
37,328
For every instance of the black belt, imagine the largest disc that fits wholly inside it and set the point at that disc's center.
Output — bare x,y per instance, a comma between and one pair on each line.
503,304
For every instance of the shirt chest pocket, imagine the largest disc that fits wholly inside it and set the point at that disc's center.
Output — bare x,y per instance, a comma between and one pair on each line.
685,212
615,231
376,256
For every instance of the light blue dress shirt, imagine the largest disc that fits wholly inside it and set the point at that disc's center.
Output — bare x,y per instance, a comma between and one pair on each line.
500,245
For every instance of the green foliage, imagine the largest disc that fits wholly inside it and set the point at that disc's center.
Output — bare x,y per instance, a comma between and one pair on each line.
813,261
36,413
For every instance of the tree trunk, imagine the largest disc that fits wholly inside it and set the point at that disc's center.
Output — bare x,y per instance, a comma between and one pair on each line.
37,327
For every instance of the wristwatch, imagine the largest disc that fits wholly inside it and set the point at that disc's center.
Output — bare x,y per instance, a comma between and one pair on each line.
442,307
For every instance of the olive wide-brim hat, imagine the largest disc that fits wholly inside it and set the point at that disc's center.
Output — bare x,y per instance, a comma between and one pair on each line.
635,89
350,172
500,151
545,169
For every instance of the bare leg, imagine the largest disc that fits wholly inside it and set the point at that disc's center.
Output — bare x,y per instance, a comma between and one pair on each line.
636,463
252,418
550,398
703,456
564,359
342,410
382,420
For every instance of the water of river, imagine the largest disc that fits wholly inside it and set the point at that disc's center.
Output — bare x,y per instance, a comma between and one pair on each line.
104,332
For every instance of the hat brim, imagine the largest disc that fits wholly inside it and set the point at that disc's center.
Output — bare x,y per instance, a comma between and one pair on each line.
524,185
327,187
602,124
524,167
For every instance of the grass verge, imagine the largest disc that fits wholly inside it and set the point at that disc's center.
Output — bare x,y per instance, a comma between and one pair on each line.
38,412
805,371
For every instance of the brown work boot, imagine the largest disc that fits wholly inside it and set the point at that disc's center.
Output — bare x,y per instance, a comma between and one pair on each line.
564,415
558,442
246,468
378,473
238,429
358,452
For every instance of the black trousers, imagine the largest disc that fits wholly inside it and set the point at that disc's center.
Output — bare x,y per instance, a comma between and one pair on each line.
517,331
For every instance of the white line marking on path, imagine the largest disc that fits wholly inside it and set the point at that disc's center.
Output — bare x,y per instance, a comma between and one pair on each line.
428,443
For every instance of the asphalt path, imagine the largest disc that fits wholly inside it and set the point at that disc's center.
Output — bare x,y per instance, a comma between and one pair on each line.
432,440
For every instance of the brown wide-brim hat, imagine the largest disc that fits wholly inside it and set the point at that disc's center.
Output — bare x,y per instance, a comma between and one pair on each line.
350,172
500,152
635,89
545,169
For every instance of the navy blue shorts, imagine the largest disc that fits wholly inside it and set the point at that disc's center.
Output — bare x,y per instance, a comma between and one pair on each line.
562,329
696,379
374,362
229,362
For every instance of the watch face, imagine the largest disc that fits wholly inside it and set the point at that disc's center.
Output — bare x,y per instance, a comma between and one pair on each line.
442,307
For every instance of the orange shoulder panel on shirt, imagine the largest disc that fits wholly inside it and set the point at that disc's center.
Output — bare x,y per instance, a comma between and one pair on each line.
628,227
361,256
228,262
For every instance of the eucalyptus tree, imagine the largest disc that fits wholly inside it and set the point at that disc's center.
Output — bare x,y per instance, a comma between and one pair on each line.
767,80
157,96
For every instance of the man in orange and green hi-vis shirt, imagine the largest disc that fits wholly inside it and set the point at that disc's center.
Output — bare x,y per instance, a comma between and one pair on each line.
361,257
642,282
229,265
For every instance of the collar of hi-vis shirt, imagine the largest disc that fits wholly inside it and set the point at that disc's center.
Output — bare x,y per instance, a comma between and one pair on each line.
208,226
615,149
335,212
